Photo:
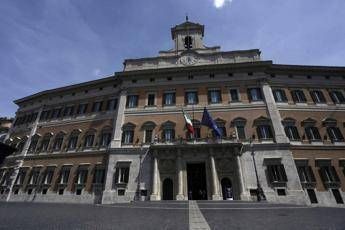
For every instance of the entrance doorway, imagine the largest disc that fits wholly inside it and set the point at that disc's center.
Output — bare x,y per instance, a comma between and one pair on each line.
227,189
196,180
168,189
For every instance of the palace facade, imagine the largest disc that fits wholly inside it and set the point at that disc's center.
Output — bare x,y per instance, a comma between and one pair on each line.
123,137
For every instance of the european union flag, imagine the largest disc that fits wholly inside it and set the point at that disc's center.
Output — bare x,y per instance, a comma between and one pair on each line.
209,122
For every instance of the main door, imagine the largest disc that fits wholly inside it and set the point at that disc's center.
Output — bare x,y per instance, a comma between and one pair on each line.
196,179
168,189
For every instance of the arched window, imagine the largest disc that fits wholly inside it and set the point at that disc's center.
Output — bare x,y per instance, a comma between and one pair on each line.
33,143
188,42
148,128
263,128
311,130
89,138
221,126
168,133
105,137
45,142
73,139
333,131
290,128
128,133
239,123
58,141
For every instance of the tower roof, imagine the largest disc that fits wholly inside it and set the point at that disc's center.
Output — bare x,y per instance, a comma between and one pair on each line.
187,25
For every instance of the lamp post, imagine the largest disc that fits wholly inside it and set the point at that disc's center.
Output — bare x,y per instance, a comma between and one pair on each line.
259,191
138,193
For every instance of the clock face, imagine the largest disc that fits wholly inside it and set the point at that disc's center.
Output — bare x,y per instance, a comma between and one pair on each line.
188,59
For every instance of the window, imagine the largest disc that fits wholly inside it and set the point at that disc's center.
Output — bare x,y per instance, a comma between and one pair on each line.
45,143
279,95
169,98
196,126
255,94
34,176
56,113
329,176
337,96
98,176
312,133
234,95
292,132
82,109
191,98
97,106
81,175
132,101
105,139
88,142
221,126
240,132
122,175
264,132
21,176
276,174
44,115
148,135
68,111
188,42
317,96
127,136
58,142
111,104
298,96
306,174
335,134
151,99
168,135
48,176
73,140
64,174
33,144
214,96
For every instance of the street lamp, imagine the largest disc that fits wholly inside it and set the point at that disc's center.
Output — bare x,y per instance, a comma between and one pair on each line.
259,191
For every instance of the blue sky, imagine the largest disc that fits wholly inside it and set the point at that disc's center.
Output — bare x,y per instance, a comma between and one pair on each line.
46,44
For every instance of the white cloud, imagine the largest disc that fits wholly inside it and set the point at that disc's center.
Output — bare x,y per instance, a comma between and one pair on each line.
220,3
97,72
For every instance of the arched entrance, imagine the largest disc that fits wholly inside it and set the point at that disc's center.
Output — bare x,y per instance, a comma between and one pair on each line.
227,190
168,189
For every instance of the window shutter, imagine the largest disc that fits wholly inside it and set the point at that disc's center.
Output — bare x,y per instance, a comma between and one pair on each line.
123,137
331,94
334,174
339,134
126,174
101,106
164,98
258,130
323,174
174,98
282,173
316,133
209,96
173,134
270,173
275,95
311,174
249,95
322,97
116,176
186,98
284,95
307,132
312,94
270,133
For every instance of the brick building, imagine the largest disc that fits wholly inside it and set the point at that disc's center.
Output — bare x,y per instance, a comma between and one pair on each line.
124,136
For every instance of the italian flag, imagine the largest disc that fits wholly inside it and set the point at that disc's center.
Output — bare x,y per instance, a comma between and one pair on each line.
189,123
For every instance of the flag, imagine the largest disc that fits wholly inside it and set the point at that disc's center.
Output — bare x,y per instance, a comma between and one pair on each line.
209,122
189,123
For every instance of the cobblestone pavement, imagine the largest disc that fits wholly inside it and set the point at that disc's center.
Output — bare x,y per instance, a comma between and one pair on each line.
169,215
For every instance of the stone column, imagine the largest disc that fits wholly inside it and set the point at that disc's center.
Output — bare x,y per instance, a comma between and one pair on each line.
215,182
155,180
118,120
278,128
179,195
